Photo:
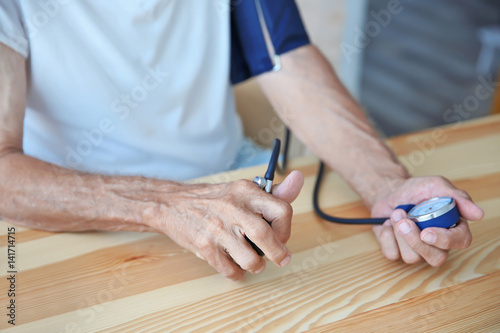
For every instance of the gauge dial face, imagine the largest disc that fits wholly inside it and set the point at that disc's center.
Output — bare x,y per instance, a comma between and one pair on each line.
430,206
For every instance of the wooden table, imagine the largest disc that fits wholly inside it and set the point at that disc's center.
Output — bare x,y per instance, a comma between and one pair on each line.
338,279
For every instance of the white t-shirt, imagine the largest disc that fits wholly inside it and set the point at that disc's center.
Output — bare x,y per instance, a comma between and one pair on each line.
129,87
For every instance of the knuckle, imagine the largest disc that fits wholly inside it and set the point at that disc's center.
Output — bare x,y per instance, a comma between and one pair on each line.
277,254
412,240
283,211
204,245
463,194
466,242
386,235
446,242
251,263
284,235
230,272
287,211
216,227
440,180
391,254
243,185
438,260
257,231
412,258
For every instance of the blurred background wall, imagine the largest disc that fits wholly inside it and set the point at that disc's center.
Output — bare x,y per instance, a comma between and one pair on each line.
421,69
411,64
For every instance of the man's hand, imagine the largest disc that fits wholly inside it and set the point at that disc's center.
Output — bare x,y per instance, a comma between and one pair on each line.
400,238
312,101
212,221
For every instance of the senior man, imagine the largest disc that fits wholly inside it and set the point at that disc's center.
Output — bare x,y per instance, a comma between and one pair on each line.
106,105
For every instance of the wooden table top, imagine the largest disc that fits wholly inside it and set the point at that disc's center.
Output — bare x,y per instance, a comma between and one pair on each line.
337,280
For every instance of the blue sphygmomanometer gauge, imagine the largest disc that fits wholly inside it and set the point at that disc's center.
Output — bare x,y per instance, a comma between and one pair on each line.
437,212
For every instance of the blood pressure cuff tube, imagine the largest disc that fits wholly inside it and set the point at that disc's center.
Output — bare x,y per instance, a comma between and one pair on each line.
251,21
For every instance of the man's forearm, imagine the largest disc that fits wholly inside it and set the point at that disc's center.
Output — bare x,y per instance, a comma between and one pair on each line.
44,196
210,220
41,195
315,105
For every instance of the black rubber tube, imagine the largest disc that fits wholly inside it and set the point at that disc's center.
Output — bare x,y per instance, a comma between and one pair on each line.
273,162
317,186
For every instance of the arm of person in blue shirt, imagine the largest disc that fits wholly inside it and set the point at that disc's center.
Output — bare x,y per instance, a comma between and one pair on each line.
312,101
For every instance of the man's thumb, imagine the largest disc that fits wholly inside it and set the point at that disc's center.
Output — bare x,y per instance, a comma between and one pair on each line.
289,189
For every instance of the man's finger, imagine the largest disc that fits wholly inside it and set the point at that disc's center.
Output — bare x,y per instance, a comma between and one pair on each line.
398,221
275,211
387,240
290,188
468,209
242,252
225,265
263,236
409,234
458,237
408,254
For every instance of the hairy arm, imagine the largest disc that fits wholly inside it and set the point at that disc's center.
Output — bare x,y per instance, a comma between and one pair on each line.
319,110
313,103
211,220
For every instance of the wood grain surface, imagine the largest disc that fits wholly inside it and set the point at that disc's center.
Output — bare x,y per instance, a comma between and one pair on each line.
337,280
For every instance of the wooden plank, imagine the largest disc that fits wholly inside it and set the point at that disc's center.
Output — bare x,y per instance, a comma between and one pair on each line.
337,279
452,309
131,282
156,253
23,234
58,247
446,135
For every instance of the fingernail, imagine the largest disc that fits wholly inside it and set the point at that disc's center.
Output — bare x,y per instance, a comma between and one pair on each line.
429,238
397,216
404,228
285,261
